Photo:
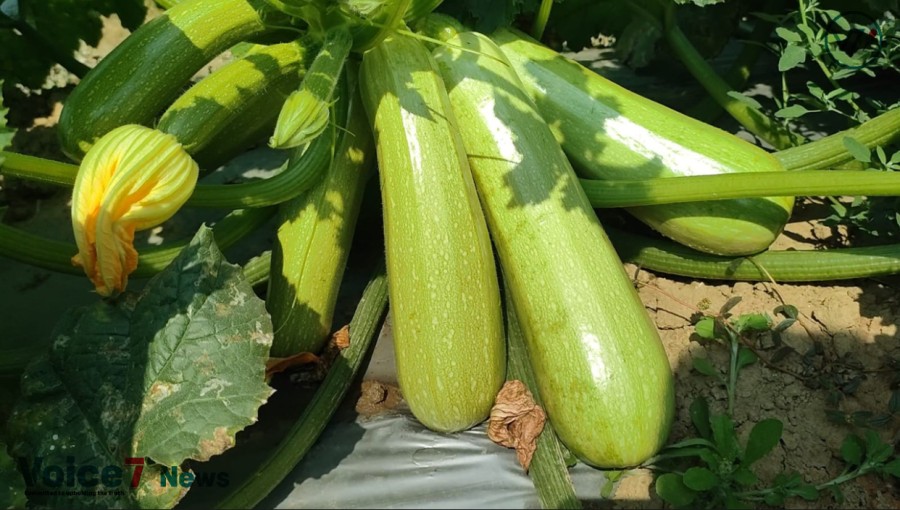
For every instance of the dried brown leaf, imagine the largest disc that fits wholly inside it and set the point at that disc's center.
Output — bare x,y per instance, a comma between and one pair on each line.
276,365
341,337
516,421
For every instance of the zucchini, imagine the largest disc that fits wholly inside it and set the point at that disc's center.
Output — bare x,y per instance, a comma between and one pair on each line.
147,71
444,294
245,93
313,242
612,133
600,367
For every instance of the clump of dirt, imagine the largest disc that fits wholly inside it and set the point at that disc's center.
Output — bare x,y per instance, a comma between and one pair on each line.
377,398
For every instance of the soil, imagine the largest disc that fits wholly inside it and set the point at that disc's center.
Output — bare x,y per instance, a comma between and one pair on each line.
855,323
852,324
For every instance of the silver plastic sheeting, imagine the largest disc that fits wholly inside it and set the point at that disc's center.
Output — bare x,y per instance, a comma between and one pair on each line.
393,461
397,463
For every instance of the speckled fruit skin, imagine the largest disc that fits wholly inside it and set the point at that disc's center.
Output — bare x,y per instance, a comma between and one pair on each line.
444,292
610,132
599,364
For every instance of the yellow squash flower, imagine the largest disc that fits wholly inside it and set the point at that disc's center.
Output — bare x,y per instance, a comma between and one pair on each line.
133,178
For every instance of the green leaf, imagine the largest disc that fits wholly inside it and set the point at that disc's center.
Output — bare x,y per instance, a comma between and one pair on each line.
749,101
892,468
877,451
882,157
12,485
774,499
700,479
753,322
636,45
859,151
783,325
706,328
731,303
789,311
744,476
806,491
746,357
170,375
699,412
763,437
792,57
894,403
671,488
725,437
488,16
788,35
732,502
852,450
703,366
792,112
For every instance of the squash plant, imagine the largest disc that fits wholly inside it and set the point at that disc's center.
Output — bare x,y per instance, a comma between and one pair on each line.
480,139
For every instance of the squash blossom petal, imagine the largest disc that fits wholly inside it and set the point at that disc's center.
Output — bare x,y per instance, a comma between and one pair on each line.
133,178
302,118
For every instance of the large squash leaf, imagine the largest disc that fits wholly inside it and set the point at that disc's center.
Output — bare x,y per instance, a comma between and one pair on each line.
134,388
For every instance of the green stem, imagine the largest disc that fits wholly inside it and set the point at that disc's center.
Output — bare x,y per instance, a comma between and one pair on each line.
256,270
297,176
38,169
548,468
752,119
56,255
698,188
665,256
732,372
363,329
708,110
540,21
831,151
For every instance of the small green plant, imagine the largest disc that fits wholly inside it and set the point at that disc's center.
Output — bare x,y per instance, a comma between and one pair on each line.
734,333
715,469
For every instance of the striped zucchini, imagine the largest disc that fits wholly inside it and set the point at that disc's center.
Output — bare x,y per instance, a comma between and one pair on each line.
612,133
246,94
445,302
148,70
313,241
600,367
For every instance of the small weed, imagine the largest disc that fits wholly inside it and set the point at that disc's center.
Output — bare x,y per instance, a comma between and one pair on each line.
714,469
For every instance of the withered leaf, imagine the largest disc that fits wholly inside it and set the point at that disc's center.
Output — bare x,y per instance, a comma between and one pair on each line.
516,421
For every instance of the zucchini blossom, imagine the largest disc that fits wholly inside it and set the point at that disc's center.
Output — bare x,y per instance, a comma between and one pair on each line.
133,178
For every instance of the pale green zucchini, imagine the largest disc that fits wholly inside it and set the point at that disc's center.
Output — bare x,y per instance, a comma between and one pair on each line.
313,241
444,295
600,367
610,132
